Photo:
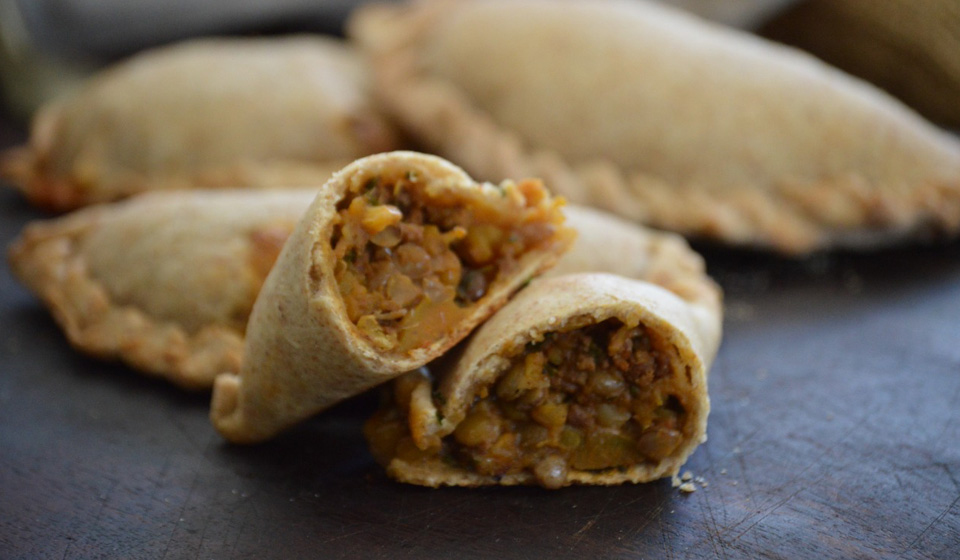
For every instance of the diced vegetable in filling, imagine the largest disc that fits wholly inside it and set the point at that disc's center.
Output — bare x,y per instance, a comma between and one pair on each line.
411,263
591,399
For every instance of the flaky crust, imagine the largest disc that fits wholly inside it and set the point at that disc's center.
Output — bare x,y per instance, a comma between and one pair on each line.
663,119
302,352
201,114
164,281
548,305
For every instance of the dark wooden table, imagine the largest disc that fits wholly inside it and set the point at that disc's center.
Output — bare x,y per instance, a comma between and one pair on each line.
835,432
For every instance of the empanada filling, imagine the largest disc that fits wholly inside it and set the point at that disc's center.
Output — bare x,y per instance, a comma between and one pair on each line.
594,398
412,261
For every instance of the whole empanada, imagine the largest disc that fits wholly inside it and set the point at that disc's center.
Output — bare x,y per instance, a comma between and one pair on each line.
398,258
164,281
206,113
663,118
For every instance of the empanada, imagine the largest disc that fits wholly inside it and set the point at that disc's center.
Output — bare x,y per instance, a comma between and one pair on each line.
663,118
399,257
206,113
580,379
164,281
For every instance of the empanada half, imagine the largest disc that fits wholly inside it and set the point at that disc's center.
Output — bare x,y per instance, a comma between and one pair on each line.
163,281
663,118
580,379
252,112
399,257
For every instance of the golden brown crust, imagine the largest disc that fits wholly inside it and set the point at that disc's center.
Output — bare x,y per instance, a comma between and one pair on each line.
205,113
302,352
163,281
549,305
780,151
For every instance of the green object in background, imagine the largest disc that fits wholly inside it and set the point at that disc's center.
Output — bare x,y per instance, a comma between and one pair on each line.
29,77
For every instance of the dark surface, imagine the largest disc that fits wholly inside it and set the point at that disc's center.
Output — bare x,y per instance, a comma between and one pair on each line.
835,432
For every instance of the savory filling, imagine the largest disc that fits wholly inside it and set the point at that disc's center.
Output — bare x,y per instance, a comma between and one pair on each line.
412,262
590,399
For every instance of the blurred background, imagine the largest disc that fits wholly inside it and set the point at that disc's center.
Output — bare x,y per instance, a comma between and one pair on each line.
908,48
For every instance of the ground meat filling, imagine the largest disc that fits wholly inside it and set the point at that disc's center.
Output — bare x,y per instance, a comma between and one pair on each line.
590,399
411,264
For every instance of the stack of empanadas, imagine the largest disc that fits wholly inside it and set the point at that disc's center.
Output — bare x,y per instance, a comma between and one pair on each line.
398,258
518,341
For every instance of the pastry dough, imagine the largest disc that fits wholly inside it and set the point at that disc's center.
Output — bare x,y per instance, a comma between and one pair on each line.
399,257
205,113
663,118
163,281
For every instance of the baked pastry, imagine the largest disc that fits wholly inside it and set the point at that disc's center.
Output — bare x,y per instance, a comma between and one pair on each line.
252,112
164,281
399,257
580,379
663,118
526,401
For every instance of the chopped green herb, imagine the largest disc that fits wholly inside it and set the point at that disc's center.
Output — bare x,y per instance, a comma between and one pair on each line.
598,354
450,460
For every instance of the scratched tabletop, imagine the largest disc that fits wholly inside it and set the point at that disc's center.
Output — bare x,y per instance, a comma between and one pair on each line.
835,432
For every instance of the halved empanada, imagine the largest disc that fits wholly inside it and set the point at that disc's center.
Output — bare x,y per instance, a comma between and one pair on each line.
663,118
580,379
163,281
206,113
399,257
